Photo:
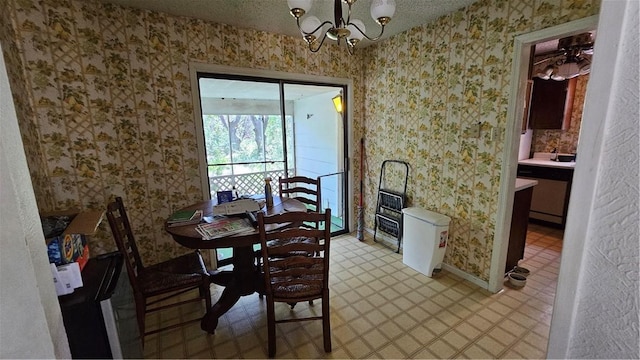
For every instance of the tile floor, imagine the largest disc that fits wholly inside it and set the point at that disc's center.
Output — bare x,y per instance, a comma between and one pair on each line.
381,308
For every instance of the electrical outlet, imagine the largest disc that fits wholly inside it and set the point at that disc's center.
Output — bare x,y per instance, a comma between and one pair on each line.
474,130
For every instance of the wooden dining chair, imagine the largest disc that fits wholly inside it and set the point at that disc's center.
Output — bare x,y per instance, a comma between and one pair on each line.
296,267
161,281
302,188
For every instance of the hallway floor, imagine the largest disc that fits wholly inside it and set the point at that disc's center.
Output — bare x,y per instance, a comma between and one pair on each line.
381,308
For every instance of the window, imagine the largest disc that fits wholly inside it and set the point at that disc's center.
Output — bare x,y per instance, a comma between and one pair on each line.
241,150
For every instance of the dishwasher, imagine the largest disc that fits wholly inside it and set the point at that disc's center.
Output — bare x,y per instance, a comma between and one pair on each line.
550,199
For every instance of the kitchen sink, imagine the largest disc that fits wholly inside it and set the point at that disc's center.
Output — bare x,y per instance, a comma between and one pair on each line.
566,157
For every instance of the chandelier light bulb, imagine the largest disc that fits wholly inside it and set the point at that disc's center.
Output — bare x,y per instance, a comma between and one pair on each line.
382,11
356,34
310,24
556,75
549,70
296,5
546,74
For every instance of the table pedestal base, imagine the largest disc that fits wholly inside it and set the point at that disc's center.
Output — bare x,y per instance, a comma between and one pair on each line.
243,280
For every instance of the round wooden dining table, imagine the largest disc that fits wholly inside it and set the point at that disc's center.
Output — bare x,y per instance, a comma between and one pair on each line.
245,277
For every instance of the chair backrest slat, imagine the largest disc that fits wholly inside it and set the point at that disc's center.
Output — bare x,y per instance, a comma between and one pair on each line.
296,256
289,248
293,262
302,188
123,235
296,232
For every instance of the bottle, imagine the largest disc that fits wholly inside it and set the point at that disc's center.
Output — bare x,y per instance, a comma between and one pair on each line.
268,195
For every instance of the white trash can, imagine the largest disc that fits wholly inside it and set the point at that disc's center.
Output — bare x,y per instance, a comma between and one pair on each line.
425,235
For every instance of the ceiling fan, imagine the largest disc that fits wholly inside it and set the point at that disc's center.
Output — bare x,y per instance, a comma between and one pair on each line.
572,58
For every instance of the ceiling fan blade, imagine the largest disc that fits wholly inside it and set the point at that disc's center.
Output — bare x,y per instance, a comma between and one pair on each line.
549,57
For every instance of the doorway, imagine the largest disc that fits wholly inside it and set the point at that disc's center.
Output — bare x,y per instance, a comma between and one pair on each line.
520,72
558,75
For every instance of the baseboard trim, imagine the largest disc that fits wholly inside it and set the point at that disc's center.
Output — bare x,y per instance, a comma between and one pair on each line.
546,223
473,279
450,268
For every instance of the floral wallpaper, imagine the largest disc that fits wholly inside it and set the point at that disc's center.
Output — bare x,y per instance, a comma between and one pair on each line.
427,87
105,105
104,102
566,141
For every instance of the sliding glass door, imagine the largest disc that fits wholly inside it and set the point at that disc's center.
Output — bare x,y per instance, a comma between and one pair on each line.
256,127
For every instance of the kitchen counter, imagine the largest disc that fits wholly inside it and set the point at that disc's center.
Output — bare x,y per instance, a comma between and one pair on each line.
522,184
548,163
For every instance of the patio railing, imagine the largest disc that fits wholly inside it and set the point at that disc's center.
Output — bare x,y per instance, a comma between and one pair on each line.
250,183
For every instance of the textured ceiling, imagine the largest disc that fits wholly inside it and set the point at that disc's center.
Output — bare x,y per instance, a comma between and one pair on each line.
273,15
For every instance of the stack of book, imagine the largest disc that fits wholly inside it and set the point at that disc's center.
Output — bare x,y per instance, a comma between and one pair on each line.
226,226
185,217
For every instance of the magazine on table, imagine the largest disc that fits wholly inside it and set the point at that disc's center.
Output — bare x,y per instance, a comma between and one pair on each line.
224,226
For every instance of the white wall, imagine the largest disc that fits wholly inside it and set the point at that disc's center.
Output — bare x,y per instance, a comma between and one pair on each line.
319,144
31,324
596,312
525,145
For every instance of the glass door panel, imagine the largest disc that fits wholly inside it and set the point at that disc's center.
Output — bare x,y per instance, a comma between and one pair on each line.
318,149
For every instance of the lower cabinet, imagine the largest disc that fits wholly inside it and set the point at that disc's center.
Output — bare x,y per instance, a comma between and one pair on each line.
550,200
519,224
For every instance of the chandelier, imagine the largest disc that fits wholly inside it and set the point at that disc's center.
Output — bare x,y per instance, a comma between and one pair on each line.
350,30
573,58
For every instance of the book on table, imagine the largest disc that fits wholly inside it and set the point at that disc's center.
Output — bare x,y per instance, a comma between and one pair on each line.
224,226
185,217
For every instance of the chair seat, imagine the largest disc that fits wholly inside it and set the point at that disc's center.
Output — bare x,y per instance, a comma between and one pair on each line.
291,289
183,271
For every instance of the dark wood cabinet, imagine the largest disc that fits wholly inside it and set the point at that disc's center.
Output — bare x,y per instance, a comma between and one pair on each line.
519,225
551,104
